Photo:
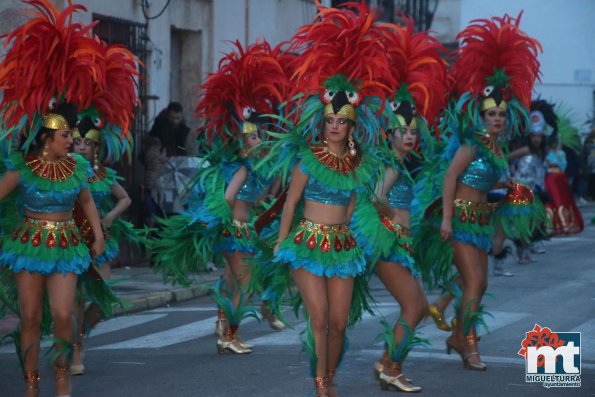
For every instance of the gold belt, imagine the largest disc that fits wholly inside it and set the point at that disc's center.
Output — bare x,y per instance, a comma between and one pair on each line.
400,231
336,236
50,225
61,233
322,228
472,211
240,229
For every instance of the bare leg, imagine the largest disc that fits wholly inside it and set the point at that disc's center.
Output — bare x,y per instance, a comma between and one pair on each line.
339,292
30,289
61,291
79,339
313,290
105,270
498,240
471,263
86,319
498,253
237,274
408,293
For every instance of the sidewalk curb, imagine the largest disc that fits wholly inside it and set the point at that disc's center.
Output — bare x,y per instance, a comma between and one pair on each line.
160,299
153,301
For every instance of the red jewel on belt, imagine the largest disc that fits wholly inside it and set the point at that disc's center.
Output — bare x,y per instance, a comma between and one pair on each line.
299,237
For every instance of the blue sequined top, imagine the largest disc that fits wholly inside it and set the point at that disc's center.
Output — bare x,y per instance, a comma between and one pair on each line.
98,197
252,188
480,174
48,202
40,195
400,194
317,192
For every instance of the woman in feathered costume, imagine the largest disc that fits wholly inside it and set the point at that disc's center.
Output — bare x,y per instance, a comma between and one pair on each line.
103,138
249,83
383,232
44,247
528,165
494,76
342,72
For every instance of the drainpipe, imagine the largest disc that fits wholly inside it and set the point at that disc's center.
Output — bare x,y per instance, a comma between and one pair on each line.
246,22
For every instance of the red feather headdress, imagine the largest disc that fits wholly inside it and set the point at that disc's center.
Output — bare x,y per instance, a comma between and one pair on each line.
496,52
50,57
249,82
418,67
120,97
344,42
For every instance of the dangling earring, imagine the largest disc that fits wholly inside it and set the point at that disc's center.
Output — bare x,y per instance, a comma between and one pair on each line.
95,162
351,145
44,154
325,142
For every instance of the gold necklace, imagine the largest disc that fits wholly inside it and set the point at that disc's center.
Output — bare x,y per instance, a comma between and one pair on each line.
341,164
58,170
98,175
491,144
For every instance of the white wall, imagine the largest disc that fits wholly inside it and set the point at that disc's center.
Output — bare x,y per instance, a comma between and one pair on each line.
192,15
274,20
566,30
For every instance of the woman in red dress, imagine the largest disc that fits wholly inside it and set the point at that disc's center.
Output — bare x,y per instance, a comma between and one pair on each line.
562,212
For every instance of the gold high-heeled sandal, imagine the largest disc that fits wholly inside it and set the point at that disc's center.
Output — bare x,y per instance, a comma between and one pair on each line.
220,324
396,382
480,366
273,321
230,343
231,346
62,374
31,383
379,367
320,384
78,369
438,318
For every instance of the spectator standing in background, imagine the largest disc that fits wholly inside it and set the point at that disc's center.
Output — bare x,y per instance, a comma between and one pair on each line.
167,138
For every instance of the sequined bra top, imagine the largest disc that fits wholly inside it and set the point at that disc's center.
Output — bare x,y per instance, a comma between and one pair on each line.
99,197
400,194
317,192
480,174
251,189
47,194
48,202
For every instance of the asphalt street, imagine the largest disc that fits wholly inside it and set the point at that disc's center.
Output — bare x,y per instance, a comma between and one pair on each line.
170,351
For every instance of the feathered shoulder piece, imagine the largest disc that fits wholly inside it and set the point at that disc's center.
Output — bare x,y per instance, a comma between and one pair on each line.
249,82
417,65
497,61
50,56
